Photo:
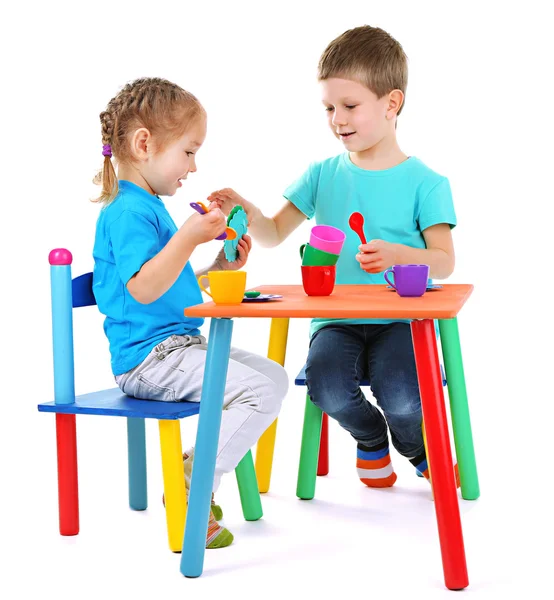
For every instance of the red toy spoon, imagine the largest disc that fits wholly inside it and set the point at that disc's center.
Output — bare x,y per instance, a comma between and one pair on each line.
356,223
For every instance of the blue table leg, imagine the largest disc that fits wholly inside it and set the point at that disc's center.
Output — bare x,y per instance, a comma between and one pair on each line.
207,438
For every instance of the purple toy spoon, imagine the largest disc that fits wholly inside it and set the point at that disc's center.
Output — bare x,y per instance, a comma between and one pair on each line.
229,232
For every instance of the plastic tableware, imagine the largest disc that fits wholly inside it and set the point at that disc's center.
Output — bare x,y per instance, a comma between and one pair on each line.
263,298
228,234
356,223
238,222
327,238
226,287
313,257
319,280
409,280
430,287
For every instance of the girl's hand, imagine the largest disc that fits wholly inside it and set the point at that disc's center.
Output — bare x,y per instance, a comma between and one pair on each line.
204,228
244,247
377,256
226,199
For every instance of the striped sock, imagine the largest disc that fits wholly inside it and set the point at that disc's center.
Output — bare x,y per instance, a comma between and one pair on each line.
217,536
374,466
420,463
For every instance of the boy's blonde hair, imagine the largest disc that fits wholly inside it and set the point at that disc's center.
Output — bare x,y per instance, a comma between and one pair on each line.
368,55
162,107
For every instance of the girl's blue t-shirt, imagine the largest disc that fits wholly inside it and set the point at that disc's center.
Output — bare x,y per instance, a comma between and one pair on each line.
129,232
398,204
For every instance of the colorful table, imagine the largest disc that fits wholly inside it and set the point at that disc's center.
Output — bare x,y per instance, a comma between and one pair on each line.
348,301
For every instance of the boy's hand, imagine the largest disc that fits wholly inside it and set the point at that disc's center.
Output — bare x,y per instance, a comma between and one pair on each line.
204,228
377,256
226,199
244,247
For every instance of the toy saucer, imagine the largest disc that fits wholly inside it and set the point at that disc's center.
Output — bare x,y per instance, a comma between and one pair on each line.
263,298
430,287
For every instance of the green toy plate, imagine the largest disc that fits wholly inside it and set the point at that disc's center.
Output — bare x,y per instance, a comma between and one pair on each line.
237,220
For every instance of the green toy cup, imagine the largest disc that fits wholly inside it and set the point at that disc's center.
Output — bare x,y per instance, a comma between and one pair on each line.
313,257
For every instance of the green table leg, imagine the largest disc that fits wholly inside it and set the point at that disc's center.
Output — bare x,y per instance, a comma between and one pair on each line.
459,409
248,489
309,452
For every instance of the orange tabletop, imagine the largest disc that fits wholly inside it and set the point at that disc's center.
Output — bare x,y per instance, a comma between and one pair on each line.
346,302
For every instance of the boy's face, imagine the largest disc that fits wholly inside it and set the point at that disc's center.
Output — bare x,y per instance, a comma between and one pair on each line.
355,115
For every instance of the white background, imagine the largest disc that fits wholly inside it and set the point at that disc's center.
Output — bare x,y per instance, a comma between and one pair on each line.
477,110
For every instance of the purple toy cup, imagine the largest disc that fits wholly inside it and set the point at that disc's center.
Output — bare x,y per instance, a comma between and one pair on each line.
409,280
327,238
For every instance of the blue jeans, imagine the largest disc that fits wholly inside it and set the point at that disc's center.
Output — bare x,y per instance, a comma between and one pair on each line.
340,356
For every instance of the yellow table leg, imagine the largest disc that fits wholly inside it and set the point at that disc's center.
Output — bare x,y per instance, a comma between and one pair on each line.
174,482
266,444
425,446
427,455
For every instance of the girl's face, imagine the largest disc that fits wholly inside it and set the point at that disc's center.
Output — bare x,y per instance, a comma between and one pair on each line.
164,171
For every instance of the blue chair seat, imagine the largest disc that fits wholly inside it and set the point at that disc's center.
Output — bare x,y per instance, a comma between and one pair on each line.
115,403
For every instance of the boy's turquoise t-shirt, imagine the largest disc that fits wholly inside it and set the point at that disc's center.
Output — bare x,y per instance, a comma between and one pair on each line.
398,204
129,232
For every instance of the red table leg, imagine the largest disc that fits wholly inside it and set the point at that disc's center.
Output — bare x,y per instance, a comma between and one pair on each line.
440,455
68,490
323,461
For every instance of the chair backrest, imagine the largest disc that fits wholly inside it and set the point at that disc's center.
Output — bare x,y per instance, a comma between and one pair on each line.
81,291
67,294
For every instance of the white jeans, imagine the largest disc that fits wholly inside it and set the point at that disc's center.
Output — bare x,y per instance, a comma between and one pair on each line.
255,388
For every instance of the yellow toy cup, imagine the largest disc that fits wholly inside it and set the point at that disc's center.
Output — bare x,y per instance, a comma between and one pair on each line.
227,287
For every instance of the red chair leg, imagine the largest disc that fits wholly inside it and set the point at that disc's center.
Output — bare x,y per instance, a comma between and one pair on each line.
323,461
68,490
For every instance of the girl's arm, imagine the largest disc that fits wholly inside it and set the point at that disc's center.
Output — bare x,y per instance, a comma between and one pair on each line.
158,274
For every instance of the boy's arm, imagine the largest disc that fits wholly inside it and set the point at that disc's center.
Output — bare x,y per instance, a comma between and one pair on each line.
439,254
267,231
271,231
378,255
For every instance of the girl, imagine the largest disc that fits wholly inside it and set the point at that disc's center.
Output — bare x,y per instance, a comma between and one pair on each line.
143,280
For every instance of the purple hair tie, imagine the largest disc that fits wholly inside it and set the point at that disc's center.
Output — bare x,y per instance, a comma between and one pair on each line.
107,150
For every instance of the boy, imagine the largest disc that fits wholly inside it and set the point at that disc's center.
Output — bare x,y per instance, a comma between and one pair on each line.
408,214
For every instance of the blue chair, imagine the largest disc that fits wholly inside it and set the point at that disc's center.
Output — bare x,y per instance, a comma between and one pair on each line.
68,294
323,458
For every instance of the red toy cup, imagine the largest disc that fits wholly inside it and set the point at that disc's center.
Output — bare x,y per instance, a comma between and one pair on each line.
319,280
